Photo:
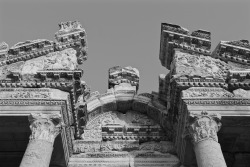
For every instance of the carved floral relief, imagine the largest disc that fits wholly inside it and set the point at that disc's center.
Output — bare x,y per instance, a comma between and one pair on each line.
60,60
198,65
204,127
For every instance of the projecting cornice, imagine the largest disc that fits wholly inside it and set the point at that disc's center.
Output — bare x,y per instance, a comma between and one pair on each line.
119,75
234,51
45,62
175,36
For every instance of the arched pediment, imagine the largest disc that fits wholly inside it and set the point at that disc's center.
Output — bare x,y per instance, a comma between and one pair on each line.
123,98
122,123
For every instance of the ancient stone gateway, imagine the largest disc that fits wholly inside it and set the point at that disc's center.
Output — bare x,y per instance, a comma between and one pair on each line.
199,117
122,128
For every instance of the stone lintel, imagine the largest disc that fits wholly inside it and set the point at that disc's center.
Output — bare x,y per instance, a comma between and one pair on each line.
224,111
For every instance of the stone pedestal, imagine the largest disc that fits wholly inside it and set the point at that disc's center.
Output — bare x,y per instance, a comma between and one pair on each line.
203,129
44,129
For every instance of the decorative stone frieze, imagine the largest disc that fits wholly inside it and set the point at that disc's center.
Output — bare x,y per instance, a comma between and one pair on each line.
239,79
118,75
233,51
36,60
198,68
174,36
207,92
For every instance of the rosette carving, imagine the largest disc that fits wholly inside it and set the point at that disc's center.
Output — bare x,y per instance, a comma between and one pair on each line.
45,126
204,126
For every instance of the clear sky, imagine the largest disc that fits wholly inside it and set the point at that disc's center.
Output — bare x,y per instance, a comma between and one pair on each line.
123,32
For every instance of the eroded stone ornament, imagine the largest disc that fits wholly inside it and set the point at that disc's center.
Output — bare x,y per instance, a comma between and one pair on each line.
44,129
204,130
204,126
45,126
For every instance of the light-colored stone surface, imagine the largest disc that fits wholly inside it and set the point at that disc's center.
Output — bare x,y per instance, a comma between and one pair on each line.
185,64
124,159
204,130
38,153
32,93
93,131
208,154
44,129
59,60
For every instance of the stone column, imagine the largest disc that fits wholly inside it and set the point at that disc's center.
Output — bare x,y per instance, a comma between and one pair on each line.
44,129
203,129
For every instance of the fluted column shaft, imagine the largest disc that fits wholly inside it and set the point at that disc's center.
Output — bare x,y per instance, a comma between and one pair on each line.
203,129
44,129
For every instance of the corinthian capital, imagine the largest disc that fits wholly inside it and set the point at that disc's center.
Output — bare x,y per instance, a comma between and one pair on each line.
204,126
45,126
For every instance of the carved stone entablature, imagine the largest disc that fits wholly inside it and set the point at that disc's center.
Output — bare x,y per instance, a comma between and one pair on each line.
241,43
124,159
189,70
204,126
175,28
206,92
82,146
174,36
215,96
119,75
233,51
70,28
23,51
45,126
239,79
71,36
201,34
56,66
122,145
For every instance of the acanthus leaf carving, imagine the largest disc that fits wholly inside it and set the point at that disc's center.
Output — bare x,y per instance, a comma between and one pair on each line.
45,126
204,126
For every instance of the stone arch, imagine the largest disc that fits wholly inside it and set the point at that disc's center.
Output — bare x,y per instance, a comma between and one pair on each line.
133,140
122,98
